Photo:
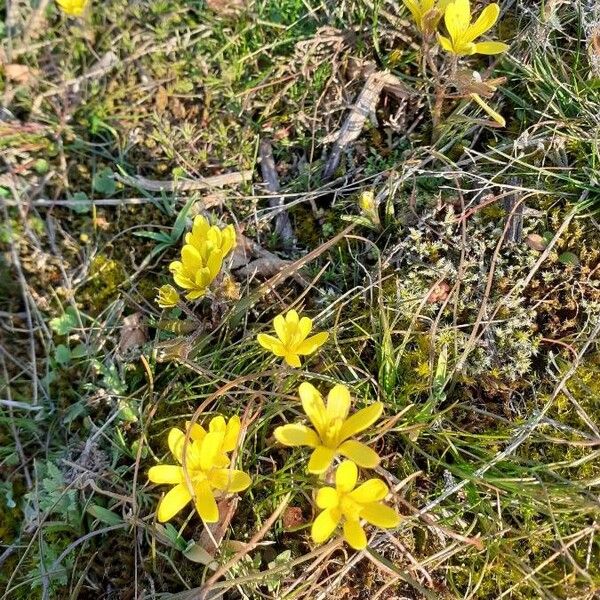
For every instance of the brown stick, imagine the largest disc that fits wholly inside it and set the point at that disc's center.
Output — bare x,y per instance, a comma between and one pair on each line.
185,185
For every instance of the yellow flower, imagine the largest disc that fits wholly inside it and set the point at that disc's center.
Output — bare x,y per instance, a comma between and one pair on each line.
167,296
73,8
351,504
202,257
292,343
426,13
463,33
206,472
205,236
196,270
367,201
332,428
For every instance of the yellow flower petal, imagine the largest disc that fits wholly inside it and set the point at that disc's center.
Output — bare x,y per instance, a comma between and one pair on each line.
217,424
175,441
173,502
445,43
165,474
232,434
346,476
490,48
360,453
196,431
271,343
211,449
327,497
280,326
296,435
415,10
361,420
320,460
457,18
304,326
489,110
205,502
338,403
354,534
487,18
214,263
324,525
230,480
311,344
371,490
313,406
380,515
292,360
292,317
191,259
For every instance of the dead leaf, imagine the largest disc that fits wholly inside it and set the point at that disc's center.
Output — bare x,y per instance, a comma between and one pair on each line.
177,107
161,100
293,517
215,533
20,74
226,7
536,242
439,293
134,333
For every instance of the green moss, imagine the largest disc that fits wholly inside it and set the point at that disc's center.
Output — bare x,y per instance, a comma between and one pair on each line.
105,277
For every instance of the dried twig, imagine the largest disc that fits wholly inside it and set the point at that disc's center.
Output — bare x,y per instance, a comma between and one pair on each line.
283,226
185,185
364,106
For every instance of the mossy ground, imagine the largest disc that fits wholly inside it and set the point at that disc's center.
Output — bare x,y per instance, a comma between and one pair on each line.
497,444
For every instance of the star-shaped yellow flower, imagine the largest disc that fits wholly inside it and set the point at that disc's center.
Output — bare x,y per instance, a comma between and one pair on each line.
292,341
463,33
206,472
426,13
73,8
332,429
351,504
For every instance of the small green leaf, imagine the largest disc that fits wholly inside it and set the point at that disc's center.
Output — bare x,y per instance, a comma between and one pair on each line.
179,225
568,258
79,351
83,203
62,354
64,324
41,166
103,514
104,182
127,411
174,537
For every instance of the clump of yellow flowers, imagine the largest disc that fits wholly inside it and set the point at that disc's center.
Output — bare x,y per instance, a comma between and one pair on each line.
331,437
203,473
202,255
